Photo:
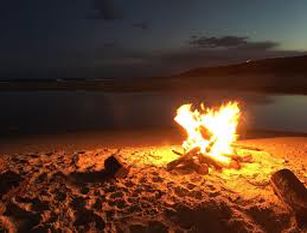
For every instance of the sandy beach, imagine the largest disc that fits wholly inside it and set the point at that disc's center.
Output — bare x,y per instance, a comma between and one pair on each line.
54,184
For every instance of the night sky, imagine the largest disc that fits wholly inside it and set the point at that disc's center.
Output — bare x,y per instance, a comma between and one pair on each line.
127,38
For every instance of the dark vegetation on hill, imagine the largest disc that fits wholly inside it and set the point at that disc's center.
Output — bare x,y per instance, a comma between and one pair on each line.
276,75
282,75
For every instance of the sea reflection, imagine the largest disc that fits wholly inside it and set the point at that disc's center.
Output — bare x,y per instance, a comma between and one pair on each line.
37,112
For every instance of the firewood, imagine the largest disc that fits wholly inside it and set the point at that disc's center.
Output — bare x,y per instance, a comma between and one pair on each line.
244,147
292,192
190,165
210,162
173,164
177,152
198,159
195,165
192,152
202,169
190,161
247,159
193,159
234,164
243,159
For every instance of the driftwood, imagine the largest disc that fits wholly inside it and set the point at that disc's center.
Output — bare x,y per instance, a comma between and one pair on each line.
114,166
292,192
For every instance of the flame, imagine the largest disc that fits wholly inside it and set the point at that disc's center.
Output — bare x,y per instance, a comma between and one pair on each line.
211,130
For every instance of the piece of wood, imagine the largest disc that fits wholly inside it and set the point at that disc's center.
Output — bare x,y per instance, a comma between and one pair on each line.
243,159
234,164
190,165
292,192
177,152
210,162
244,147
195,161
114,166
182,159
202,169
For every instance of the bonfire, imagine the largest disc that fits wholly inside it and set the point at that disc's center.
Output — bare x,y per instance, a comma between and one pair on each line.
211,137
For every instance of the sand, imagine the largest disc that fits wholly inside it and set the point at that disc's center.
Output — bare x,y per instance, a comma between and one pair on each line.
43,190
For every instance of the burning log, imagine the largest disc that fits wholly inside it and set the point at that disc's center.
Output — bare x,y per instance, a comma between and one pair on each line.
195,161
182,159
211,137
210,161
201,162
190,161
242,159
177,152
292,192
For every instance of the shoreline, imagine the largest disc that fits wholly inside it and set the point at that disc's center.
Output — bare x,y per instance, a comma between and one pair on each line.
87,140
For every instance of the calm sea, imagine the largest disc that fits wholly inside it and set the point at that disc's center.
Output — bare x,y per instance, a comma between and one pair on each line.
44,112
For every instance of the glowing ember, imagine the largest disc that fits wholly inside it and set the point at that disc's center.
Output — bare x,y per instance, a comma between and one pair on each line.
213,131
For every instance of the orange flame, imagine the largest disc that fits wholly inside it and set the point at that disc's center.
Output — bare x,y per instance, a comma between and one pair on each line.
213,131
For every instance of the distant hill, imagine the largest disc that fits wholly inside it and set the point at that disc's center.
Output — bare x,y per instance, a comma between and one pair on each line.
277,66
286,75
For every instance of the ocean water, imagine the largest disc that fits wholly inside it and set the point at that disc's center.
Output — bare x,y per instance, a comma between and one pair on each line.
45,112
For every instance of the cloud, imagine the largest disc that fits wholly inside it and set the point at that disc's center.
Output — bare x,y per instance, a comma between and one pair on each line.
130,62
260,45
113,59
105,10
110,44
216,42
230,42
142,25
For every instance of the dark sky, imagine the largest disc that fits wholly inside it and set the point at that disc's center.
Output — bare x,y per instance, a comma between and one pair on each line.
123,38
